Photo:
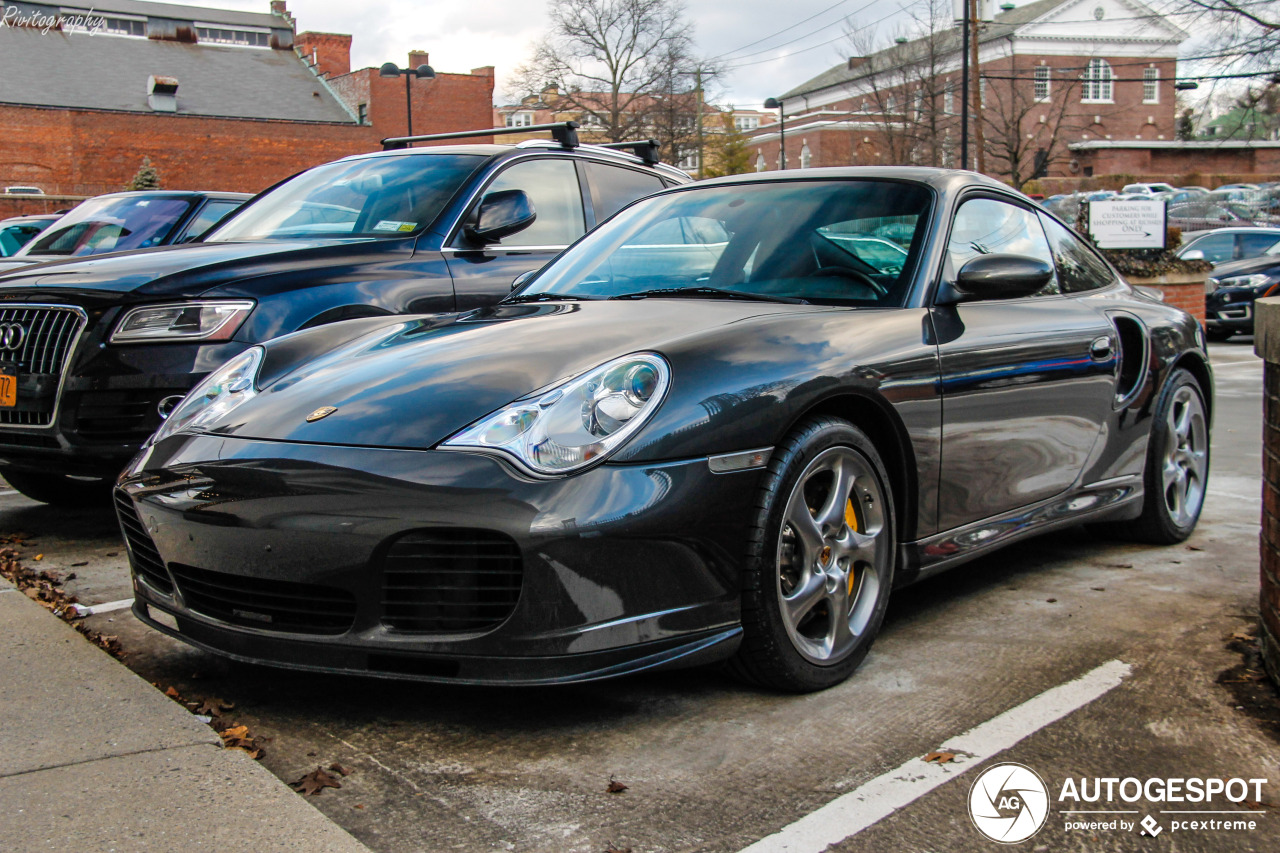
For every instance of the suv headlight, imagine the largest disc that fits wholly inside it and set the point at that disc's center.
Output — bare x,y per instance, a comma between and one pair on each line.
1256,280
221,391
206,320
576,424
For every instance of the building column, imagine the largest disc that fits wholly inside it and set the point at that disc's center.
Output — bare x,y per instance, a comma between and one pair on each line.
1267,346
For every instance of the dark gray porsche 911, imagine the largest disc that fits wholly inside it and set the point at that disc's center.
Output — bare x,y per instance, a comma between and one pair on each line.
723,426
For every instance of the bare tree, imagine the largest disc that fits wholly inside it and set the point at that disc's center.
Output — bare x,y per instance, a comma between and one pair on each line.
1025,134
1245,32
615,61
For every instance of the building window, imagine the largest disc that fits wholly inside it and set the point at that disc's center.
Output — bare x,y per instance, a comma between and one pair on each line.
591,120
362,113
1042,83
1151,85
689,159
949,100
238,37
760,161
805,157
519,119
88,21
1097,82
746,123
918,104
982,91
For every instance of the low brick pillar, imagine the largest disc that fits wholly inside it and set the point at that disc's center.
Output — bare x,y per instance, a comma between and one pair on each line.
1267,346
1185,290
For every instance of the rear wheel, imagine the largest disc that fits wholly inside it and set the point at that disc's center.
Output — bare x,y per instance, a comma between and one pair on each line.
820,561
1177,470
61,489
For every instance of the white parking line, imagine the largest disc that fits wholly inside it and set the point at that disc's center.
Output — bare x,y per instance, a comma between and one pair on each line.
853,812
105,607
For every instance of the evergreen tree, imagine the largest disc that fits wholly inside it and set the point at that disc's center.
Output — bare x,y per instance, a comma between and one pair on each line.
727,152
146,178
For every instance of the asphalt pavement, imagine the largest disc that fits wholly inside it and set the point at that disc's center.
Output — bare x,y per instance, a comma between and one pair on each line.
1079,658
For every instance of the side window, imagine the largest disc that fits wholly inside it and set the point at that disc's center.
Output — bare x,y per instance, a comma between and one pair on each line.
552,186
1079,268
985,226
1217,247
212,213
613,188
1255,245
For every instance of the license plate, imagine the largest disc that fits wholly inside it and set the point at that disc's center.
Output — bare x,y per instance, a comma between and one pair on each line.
8,390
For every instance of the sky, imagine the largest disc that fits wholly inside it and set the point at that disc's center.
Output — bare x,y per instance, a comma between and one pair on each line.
460,36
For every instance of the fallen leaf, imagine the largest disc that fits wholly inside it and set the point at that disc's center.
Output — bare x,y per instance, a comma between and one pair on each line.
78,565
941,757
112,553
612,849
173,694
1120,565
213,706
315,782
359,805
39,556
615,787
1243,637
1194,548
1098,588
339,769
1052,600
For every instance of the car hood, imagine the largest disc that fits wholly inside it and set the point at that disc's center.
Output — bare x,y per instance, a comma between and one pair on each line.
187,270
1248,266
415,382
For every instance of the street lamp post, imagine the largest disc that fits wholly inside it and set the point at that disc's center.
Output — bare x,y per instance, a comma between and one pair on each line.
390,69
775,104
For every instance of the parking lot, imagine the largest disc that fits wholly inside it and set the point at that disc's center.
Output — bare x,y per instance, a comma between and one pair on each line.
711,765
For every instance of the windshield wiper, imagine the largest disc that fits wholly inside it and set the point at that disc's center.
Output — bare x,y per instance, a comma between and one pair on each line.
543,297
714,292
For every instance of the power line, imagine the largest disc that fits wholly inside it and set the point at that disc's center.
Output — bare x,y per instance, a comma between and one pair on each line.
808,34
792,27
810,47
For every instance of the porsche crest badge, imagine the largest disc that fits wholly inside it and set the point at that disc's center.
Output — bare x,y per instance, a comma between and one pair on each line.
321,413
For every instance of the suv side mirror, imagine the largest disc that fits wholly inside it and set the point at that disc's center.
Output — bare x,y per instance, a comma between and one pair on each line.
1193,255
997,276
500,215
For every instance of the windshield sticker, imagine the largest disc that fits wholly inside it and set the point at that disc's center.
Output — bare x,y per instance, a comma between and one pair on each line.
394,225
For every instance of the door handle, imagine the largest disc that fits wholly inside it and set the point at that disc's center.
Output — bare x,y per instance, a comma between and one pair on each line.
1100,349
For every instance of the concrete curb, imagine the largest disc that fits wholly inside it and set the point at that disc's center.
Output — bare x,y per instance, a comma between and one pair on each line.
95,758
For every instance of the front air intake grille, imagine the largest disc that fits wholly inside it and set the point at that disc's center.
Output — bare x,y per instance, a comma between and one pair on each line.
120,416
298,608
143,555
45,336
450,580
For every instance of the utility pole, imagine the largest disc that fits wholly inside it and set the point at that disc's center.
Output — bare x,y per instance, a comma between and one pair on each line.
698,77
972,18
964,87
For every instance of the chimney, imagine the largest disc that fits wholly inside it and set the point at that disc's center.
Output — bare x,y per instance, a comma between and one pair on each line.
482,71
281,9
329,52
855,61
418,57
162,94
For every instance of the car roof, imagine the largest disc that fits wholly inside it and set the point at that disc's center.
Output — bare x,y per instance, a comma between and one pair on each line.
494,151
941,179
177,194
30,217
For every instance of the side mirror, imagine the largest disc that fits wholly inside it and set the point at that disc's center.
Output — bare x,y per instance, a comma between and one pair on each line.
500,215
1193,255
998,277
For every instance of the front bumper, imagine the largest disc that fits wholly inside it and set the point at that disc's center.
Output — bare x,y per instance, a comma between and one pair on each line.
621,568
1229,310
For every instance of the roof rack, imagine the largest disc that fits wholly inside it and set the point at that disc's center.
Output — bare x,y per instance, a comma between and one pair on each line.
645,149
564,132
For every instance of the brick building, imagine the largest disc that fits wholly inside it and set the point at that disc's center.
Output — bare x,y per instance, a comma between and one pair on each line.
1051,72
216,99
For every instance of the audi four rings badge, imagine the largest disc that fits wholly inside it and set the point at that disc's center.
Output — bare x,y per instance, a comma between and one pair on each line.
11,335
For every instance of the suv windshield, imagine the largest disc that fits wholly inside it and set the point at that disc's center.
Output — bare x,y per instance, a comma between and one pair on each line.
851,242
369,197
112,225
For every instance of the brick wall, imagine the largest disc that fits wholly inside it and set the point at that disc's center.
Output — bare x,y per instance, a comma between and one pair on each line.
329,52
87,152
1267,346
1189,296
23,205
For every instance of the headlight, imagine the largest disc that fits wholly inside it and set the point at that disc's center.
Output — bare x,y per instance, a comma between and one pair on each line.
221,391
210,320
1256,280
576,424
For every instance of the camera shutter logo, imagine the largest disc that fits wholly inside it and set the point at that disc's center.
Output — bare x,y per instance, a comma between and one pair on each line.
12,336
1009,803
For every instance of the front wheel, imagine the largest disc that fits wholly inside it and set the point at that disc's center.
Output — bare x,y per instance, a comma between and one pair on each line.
820,560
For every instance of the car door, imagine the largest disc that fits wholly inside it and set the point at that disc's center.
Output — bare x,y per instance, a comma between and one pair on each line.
1027,383
483,274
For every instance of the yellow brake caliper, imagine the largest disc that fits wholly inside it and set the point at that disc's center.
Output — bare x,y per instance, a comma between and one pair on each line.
851,519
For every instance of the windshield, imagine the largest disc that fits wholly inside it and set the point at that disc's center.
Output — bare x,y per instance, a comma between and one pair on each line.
836,242
112,224
369,197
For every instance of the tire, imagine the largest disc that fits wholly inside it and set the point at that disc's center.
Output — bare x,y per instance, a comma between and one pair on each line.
61,490
1177,468
816,582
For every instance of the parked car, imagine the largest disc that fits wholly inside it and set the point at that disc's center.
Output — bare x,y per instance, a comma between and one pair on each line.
1236,187
17,231
1224,245
119,222
401,231
21,190
1206,215
1228,307
632,463
1148,189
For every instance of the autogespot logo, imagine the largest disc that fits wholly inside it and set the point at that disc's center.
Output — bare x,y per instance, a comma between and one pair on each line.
1009,803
